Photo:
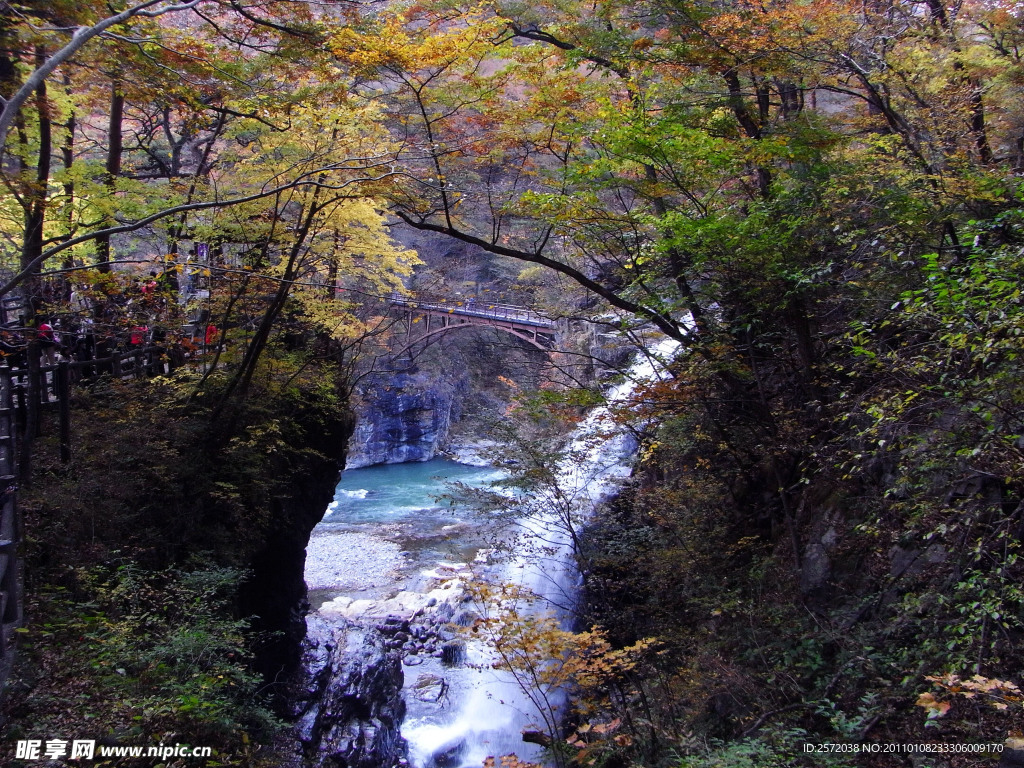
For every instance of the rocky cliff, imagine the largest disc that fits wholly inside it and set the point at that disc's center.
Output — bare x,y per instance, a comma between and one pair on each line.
347,703
405,417
276,591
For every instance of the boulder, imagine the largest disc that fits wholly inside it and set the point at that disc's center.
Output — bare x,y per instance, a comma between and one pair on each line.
354,717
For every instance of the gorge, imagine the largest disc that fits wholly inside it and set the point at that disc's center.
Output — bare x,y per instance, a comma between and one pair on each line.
395,576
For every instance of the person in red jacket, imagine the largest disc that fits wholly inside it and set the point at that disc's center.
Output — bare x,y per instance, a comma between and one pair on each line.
48,343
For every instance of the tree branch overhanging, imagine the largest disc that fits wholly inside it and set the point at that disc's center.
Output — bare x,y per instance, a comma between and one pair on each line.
27,271
670,327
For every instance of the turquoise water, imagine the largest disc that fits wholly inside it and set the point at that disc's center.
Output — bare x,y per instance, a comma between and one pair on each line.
394,493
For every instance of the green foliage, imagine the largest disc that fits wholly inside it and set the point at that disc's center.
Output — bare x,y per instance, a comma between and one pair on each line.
176,655
137,550
152,652
776,749
945,418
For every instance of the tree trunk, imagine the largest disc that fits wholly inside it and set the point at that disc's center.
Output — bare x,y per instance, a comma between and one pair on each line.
113,168
67,152
32,247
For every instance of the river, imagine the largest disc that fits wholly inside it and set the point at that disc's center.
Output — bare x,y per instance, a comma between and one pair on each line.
386,536
387,547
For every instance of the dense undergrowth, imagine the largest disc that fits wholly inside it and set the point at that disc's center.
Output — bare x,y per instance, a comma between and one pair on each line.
149,621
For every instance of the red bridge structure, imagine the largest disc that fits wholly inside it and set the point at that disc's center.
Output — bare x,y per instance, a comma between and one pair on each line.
439,315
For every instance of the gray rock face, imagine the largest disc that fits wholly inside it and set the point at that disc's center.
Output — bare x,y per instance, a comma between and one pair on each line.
402,420
351,708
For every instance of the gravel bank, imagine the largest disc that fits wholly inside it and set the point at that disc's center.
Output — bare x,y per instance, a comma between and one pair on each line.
351,561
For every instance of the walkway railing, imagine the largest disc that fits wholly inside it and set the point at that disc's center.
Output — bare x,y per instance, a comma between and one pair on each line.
11,576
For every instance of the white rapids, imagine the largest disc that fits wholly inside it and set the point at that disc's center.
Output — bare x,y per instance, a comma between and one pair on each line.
492,709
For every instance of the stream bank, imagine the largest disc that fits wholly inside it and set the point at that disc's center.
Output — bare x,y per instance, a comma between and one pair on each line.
389,673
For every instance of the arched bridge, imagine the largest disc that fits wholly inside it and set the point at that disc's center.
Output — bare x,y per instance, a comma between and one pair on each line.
440,315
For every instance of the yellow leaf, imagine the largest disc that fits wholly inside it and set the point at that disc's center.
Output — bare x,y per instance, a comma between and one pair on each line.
933,706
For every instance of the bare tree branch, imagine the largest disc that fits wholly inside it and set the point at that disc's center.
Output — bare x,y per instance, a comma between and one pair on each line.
666,324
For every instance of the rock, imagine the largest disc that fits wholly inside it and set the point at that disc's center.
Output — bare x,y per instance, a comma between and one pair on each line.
402,419
444,635
355,719
430,688
1013,754
392,624
453,653
816,565
275,591
449,756
444,613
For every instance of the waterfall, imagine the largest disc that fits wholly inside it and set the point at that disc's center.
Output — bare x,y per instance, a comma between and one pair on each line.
493,709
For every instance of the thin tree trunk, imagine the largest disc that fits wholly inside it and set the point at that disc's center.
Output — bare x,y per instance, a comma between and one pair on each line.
113,167
32,247
67,152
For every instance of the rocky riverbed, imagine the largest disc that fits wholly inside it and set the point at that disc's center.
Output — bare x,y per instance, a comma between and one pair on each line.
388,590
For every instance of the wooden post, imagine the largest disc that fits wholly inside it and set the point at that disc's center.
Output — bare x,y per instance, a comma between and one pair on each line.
20,409
62,383
12,578
44,394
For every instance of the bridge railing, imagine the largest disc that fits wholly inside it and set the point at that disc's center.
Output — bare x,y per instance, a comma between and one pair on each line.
473,307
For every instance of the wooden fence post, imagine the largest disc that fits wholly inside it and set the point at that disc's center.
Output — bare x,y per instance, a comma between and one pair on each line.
62,385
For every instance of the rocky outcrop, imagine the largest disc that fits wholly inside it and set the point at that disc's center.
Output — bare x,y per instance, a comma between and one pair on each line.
275,592
403,418
350,706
